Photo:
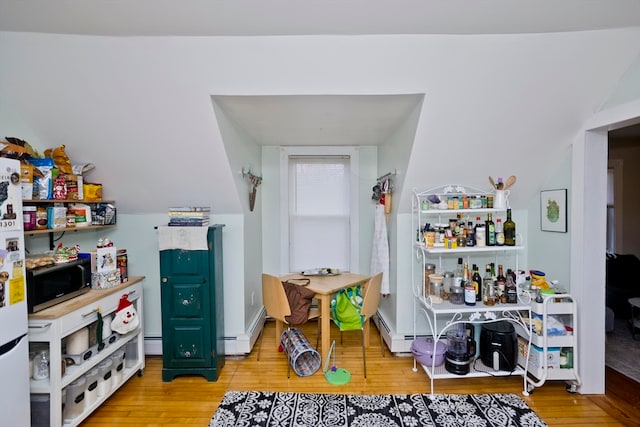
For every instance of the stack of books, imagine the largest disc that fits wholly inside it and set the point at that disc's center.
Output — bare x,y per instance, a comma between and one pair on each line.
189,216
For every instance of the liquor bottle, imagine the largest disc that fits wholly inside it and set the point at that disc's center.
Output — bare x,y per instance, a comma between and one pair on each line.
471,235
465,275
499,233
469,294
509,230
477,282
501,284
481,233
469,289
490,230
488,290
511,289
458,278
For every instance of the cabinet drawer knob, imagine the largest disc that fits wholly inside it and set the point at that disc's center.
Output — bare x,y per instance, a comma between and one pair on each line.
185,302
164,280
187,354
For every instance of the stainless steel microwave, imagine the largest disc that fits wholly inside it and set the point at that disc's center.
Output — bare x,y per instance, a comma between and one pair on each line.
50,285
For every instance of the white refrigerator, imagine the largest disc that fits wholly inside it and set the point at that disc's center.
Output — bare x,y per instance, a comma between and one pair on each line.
14,343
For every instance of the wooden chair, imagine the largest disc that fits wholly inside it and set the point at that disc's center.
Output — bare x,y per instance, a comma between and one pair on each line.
370,302
277,306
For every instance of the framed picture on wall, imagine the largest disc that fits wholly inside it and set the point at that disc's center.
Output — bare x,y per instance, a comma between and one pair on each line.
553,210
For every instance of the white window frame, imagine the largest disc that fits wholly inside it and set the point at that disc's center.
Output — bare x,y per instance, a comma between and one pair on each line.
354,223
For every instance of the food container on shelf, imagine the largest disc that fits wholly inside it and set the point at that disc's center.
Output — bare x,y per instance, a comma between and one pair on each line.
29,217
435,285
131,353
78,342
91,392
117,369
457,295
425,352
104,379
75,399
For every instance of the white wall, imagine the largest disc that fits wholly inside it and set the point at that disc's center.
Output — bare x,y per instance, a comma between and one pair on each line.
137,234
244,156
555,263
140,109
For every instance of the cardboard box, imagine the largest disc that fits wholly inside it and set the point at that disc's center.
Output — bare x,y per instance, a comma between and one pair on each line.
74,185
122,262
536,356
105,280
103,260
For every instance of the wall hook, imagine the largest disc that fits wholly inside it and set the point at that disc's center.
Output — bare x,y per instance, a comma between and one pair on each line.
254,182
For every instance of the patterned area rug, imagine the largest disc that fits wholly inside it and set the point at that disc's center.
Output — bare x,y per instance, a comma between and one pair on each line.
252,408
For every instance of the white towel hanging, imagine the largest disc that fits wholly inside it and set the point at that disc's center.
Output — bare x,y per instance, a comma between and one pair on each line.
380,249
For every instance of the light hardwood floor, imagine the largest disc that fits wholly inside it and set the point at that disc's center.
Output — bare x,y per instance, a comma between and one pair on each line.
191,400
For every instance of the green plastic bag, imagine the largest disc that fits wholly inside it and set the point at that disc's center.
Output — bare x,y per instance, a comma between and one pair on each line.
345,308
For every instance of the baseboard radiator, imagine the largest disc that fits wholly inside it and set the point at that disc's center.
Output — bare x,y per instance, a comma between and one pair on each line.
238,345
398,344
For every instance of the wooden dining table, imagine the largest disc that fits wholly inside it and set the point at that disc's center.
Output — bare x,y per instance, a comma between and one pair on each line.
325,287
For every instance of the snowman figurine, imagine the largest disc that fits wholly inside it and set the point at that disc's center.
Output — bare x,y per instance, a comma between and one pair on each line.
126,317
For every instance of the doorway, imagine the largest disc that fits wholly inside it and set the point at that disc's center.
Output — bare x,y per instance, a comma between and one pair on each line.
623,247
588,238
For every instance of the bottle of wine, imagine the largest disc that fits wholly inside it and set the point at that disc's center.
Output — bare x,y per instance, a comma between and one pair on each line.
501,284
477,282
490,231
499,233
509,230
469,289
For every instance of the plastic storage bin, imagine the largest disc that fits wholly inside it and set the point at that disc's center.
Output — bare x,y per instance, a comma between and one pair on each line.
131,353
91,394
104,379
75,399
117,369
40,406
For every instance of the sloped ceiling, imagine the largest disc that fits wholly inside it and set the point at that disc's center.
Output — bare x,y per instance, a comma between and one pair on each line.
283,120
141,95
294,17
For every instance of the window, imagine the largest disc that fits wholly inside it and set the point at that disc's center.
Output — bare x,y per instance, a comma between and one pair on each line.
321,211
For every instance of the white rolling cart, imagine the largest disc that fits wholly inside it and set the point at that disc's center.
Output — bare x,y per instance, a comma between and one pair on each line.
545,360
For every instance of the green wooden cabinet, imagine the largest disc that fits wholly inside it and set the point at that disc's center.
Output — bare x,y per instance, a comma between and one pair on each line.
192,309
